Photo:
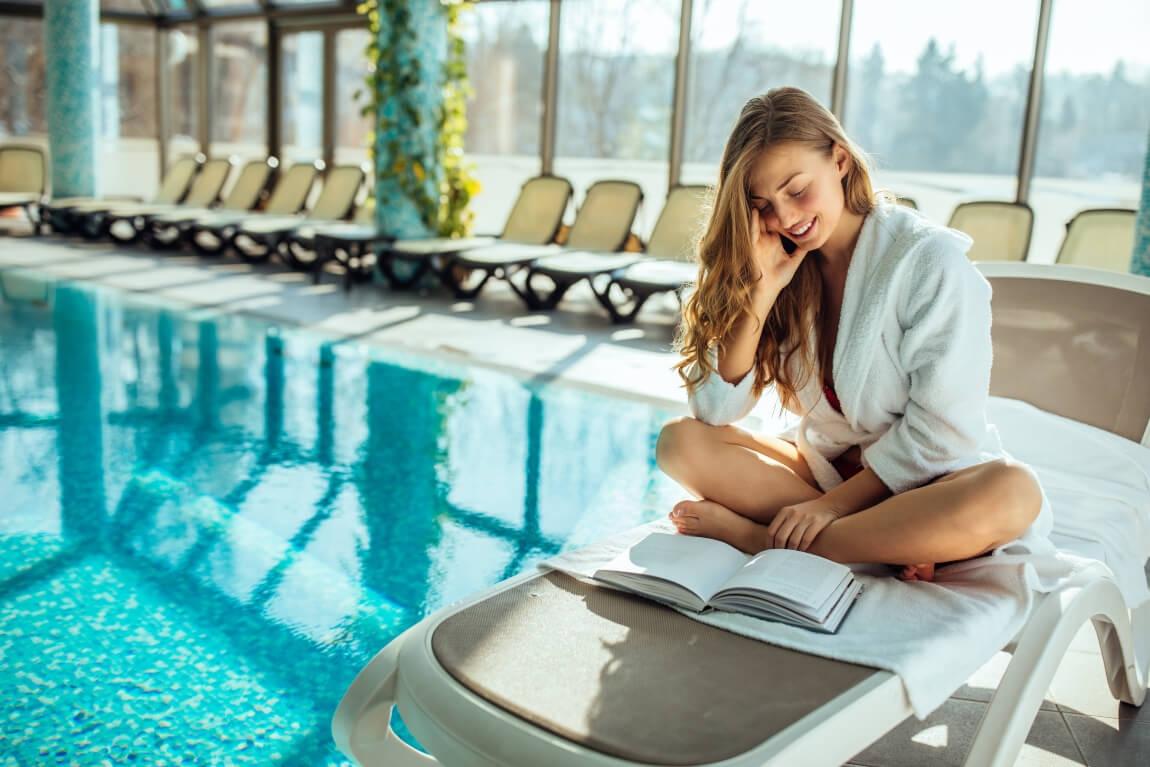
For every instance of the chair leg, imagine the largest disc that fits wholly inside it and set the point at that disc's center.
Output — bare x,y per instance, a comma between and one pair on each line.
620,315
386,264
253,248
120,238
535,300
1041,645
449,276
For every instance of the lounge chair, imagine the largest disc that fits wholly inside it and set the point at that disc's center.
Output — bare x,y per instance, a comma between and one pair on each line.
23,180
167,230
907,201
668,264
126,223
255,240
1001,230
602,225
671,239
545,670
535,220
311,246
1099,237
65,215
211,235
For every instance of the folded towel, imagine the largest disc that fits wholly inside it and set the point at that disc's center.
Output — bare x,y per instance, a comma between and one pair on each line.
933,635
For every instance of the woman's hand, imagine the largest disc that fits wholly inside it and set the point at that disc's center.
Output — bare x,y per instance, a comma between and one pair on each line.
797,526
776,267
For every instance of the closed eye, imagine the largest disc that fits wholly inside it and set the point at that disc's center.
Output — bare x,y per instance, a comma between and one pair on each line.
800,193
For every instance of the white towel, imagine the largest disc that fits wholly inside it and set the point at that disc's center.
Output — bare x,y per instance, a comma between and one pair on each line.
936,635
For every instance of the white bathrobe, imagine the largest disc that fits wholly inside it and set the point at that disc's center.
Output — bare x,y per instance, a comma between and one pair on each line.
911,365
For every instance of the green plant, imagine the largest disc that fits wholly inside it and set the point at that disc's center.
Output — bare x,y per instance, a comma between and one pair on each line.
437,179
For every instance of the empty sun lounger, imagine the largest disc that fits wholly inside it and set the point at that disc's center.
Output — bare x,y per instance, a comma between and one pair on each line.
168,229
311,246
211,235
602,225
1000,230
23,180
535,220
126,223
668,264
256,239
65,216
547,670
1102,238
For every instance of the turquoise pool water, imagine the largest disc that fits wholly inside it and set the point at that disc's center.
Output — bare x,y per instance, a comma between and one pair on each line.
208,524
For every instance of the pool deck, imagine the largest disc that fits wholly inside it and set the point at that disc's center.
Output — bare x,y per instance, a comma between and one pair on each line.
1079,722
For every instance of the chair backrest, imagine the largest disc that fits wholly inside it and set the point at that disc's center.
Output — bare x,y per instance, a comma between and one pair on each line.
250,185
208,183
1001,230
1073,341
175,184
907,201
538,211
1100,237
338,194
365,213
292,189
604,221
23,169
675,232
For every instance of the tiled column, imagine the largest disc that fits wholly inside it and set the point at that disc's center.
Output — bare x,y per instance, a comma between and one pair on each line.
71,49
1140,263
395,147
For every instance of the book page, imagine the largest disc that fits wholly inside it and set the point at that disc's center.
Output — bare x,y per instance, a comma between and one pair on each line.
805,579
701,565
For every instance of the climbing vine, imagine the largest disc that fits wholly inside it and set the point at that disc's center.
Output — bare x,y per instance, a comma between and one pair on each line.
437,179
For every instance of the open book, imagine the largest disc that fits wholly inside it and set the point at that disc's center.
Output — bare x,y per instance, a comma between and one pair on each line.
702,574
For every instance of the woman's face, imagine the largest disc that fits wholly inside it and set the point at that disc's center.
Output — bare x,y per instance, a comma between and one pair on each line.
798,192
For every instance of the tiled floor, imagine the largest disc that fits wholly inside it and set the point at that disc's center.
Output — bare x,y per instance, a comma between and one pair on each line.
1080,723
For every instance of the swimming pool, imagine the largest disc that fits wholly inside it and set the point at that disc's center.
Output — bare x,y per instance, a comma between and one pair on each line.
208,524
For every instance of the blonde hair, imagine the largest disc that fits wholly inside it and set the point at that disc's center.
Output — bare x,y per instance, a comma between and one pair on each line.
726,273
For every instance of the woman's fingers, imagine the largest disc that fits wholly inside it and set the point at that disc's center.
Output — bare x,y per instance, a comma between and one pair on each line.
781,517
809,536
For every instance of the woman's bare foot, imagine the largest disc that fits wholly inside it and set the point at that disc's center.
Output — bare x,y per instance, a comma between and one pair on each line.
712,520
917,573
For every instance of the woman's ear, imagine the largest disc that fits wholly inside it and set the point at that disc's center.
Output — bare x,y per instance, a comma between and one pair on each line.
842,160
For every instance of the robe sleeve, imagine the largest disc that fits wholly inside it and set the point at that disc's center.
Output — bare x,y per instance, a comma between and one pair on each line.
717,402
946,354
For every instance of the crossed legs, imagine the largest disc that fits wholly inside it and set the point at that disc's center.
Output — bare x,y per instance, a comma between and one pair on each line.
743,479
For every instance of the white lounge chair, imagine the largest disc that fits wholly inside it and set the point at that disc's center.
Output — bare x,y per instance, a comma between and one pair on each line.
546,670
1000,230
1102,238
23,180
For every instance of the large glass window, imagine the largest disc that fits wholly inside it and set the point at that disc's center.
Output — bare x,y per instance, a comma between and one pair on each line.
301,96
743,49
183,92
352,128
506,53
938,99
616,84
21,78
239,83
1095,115
130,142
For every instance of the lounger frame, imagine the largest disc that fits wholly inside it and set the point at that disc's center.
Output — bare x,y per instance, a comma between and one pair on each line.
463,728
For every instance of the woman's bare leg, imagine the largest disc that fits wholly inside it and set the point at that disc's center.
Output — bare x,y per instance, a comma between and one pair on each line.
961,515
751,475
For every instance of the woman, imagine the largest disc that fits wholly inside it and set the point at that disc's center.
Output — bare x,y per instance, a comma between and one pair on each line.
875,329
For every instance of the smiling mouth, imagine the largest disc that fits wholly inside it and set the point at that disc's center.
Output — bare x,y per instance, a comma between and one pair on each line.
802,231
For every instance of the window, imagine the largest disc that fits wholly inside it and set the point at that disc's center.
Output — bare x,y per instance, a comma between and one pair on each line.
743,49
129,153
239,81
21,78
938,100
301,96
1095,116
616,84
183,91
506,52
351,127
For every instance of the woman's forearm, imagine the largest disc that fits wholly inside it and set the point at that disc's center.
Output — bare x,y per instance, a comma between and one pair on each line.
738,351
861,491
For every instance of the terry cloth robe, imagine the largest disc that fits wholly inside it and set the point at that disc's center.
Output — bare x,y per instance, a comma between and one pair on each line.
911,364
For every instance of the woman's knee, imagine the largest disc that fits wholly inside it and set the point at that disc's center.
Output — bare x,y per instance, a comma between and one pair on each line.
1013,501
678,439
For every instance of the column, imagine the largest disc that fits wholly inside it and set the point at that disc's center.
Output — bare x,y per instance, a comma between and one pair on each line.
71,50
1140,262
412,36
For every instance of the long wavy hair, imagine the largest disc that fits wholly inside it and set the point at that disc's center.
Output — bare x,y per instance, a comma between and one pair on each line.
727,273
